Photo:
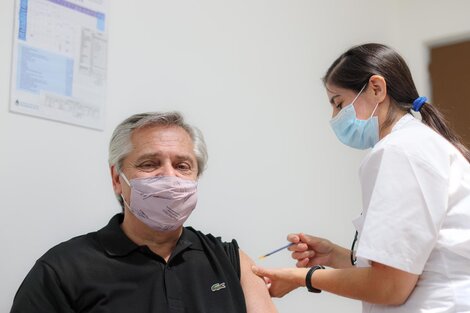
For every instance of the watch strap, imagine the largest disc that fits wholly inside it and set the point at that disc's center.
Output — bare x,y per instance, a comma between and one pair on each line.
308,278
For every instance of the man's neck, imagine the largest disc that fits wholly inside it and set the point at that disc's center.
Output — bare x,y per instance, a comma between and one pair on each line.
160,243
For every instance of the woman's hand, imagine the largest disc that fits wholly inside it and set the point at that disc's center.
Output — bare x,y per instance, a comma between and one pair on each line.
310,250
282,281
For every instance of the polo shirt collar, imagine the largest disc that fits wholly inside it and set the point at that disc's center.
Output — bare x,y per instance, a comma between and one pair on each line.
114,240
116,243
188,239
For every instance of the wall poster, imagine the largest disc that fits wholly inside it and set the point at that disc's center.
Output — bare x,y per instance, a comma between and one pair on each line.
59,60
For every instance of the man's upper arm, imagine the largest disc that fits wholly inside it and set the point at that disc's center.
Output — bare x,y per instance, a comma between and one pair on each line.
41,292
257,296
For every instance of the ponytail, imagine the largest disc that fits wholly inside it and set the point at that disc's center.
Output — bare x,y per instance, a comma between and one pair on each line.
431,116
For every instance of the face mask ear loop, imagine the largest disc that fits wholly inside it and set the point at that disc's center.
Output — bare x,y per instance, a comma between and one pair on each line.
360,91
127,182
125,178
125,202
376,106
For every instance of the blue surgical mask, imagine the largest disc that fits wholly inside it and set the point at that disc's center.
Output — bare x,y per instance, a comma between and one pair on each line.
359,134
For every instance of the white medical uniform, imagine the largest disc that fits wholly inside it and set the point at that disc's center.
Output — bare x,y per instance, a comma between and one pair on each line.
416,216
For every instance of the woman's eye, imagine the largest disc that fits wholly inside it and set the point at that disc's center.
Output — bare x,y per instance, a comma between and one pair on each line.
339,106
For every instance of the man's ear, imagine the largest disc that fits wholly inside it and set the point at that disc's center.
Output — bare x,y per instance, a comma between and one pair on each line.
116,180
379,87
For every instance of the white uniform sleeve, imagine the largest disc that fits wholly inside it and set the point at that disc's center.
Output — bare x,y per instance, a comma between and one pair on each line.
405,202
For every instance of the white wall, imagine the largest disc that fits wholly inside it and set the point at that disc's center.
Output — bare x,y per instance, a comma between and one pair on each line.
424,23
248,74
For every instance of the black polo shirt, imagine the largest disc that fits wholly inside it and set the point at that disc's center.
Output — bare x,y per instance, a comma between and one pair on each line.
105,271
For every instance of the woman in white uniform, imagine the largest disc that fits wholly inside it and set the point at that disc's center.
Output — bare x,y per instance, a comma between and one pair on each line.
412,251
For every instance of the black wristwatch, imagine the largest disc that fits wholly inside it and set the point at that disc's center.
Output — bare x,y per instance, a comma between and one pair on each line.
308,278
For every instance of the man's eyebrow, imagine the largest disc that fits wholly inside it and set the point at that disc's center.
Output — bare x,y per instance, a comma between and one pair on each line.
185,157
150,156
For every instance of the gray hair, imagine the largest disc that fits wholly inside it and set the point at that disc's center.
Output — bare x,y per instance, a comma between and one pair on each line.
120,145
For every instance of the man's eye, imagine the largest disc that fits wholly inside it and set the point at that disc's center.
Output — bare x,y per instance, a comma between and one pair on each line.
147,166
183,166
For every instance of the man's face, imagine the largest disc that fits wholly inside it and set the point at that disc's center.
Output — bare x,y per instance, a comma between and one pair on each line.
157,151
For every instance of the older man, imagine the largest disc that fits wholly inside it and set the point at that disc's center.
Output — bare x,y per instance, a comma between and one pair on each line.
144,260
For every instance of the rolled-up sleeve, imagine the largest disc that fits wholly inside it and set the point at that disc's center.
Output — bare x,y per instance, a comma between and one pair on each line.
405,202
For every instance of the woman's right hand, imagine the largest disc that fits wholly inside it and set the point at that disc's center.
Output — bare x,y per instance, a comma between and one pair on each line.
310,250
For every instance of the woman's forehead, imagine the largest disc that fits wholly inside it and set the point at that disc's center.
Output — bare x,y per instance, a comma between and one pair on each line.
334,89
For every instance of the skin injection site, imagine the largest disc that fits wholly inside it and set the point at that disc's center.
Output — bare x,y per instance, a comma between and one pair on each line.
261,156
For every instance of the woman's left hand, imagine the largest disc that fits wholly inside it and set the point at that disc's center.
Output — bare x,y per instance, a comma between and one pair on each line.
282,280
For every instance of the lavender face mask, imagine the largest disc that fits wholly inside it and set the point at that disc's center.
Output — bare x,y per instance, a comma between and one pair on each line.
163,203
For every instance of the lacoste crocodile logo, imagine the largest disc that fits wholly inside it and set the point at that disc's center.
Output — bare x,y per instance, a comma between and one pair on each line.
217,286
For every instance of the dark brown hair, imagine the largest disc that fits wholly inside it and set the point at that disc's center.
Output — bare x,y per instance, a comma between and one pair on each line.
353,69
